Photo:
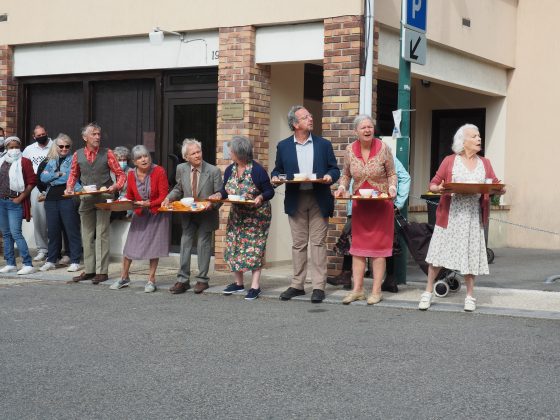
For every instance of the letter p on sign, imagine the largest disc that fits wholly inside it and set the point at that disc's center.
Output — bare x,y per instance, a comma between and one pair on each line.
416,7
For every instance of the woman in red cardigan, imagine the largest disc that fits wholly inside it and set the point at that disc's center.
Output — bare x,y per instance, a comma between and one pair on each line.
458,240
148,236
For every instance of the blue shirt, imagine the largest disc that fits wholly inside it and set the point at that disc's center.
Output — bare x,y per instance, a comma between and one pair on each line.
305,159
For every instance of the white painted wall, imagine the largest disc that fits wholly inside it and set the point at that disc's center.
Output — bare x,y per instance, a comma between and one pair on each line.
286,90
289,43
117,54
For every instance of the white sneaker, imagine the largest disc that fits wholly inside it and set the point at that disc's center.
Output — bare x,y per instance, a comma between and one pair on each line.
8,269
47,266
74,267
425,301
27,269
40,256
119,284
470,304
149,287
64,260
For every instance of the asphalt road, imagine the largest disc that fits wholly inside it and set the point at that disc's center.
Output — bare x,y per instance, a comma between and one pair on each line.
83,351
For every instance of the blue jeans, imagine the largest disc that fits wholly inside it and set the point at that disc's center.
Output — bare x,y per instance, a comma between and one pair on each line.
63,213
11,215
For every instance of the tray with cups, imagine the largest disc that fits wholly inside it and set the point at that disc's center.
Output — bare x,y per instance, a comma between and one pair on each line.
89,190
299,179
468,188
232,198
186,205
367,195
117,205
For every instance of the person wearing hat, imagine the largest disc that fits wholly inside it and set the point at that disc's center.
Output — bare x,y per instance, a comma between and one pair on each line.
17,179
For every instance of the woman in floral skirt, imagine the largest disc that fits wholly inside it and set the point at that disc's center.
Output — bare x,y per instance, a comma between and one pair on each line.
248,224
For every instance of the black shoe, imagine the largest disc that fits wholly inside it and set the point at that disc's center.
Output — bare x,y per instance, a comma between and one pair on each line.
317,296
291,292
343,279
389,285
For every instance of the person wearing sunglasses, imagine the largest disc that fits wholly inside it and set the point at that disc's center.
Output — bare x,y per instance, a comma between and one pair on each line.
62,213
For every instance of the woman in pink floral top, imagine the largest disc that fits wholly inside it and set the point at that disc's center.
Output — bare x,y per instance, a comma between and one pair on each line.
369,162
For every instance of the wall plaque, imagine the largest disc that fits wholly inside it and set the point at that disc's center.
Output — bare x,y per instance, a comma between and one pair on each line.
232,111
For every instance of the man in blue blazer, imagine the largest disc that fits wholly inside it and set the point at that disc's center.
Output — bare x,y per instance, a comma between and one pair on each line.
308,205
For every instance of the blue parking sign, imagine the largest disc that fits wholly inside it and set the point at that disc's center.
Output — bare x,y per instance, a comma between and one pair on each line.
414,14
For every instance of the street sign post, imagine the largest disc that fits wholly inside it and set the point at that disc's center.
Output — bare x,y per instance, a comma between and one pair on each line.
414,46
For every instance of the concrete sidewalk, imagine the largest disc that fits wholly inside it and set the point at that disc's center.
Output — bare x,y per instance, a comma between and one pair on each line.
515,287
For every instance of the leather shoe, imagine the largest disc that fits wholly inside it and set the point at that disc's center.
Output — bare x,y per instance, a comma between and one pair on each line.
99,278
389,285
317,296
373,299
83,276
179,288
343,279
291,292
199,287
353,296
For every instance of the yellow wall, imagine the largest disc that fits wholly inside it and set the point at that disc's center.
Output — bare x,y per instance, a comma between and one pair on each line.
532,125
58,20
490,36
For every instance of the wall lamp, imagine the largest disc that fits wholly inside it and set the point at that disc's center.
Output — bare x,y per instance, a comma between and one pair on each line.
157,35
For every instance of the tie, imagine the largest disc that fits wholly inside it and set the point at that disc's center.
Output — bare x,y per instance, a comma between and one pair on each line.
194,182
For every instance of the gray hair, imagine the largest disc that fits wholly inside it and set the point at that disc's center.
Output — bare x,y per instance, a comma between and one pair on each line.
121,152
139,151
292,119
187,143
242,147
90,125
360,119
459,137
53,151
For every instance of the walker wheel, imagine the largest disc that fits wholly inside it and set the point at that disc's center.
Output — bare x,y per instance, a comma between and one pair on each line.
441,288
454,283
490,255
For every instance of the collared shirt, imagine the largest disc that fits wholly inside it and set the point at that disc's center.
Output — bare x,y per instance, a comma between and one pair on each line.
112,162
305,159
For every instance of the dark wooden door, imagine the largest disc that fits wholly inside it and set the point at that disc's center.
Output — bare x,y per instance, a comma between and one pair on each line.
445,124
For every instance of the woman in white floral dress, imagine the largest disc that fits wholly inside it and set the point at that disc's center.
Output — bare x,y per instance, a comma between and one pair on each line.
458,241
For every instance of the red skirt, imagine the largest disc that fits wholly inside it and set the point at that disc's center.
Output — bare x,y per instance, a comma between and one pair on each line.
372,228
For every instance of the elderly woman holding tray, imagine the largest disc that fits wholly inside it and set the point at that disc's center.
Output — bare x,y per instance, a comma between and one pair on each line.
148,236
458,240
61,212
369,162
248,224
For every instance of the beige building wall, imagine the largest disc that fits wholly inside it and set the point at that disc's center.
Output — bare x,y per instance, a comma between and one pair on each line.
286,90
492,34
532,126
74,20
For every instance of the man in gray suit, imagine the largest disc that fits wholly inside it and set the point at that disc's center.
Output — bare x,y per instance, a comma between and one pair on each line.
197,179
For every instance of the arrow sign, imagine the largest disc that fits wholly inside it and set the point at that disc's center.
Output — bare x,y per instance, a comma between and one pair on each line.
413,46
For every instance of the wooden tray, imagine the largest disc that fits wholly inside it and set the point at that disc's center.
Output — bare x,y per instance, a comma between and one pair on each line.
87,193
178,207
294,181
227,200
360,198
464,188
117,206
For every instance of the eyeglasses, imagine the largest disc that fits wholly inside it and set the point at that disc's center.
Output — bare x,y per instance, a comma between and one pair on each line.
64,146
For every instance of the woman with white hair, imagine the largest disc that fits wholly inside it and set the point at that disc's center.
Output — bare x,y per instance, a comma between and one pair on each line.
458,241
17,179
148,236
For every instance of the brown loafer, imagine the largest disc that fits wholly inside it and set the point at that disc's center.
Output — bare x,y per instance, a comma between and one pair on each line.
179,288
199,287
82,277
99,278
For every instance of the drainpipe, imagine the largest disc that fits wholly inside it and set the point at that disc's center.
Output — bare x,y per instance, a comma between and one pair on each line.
366,74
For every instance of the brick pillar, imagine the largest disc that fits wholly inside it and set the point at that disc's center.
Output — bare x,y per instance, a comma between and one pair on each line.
341,99
240,80
8,91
